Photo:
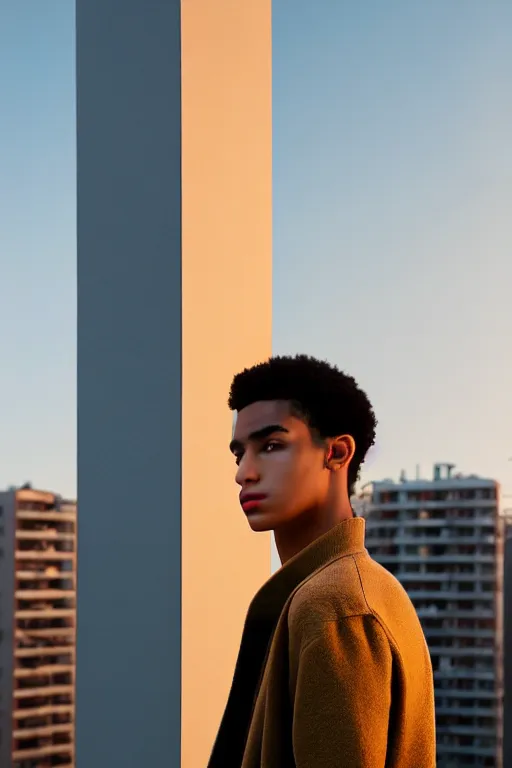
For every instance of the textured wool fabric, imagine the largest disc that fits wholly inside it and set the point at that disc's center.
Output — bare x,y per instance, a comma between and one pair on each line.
333,669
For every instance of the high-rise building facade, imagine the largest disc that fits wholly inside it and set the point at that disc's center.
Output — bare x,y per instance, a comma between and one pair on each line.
37,629
443,540
507,636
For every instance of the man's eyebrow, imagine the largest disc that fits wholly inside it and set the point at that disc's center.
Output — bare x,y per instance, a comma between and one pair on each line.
258,434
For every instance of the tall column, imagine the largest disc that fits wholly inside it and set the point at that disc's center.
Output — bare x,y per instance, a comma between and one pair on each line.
227,275
174,296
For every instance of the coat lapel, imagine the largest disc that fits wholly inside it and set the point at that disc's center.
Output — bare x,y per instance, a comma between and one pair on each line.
262,617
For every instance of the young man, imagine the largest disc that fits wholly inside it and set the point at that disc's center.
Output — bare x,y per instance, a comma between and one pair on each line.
333,669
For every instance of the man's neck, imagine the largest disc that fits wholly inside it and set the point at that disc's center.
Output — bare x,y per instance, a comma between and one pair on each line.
303,531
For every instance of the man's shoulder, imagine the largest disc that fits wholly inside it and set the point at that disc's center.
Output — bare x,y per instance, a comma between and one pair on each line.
332,593
350,586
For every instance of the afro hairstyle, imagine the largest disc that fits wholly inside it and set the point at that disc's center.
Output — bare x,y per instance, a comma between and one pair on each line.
329,401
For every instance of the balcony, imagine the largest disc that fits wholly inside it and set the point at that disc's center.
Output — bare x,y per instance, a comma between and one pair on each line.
48,613
44,594
449,650
445,594
447,540
433,504
454,613
45,730
46,751
466,730
444,576
49,554
466,711
44,711
52,650
430,522
454,749
52,515
50,534
467,674
43,671
22,634
476,558
458,632
47,574
44,692
456,693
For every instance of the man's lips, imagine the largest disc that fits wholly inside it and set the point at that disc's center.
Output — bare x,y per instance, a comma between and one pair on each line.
251,500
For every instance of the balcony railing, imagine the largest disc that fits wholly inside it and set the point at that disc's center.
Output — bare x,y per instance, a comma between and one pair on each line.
432,558
446,594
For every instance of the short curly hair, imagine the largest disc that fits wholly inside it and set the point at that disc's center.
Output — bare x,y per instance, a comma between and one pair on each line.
328,400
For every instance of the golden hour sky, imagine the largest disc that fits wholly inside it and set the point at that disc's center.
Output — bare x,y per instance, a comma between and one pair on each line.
392,224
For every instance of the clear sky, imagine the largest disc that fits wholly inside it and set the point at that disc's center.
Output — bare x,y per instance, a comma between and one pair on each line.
392,224
37,245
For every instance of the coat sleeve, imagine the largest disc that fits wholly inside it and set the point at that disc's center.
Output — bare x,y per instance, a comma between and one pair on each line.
342,697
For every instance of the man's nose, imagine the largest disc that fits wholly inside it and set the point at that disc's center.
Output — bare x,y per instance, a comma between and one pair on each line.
247,472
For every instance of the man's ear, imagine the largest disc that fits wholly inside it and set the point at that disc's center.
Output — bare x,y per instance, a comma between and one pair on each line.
340,452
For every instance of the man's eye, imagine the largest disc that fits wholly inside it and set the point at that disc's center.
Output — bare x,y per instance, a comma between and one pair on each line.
238,458
271,446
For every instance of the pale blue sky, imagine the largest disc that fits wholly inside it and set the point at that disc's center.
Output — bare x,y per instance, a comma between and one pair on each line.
392,224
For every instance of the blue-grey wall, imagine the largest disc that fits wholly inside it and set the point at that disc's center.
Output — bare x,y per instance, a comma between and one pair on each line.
129,383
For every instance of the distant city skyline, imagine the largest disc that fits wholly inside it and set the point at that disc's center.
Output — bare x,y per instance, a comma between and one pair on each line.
392,227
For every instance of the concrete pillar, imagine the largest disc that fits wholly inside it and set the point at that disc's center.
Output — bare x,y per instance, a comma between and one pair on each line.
174,296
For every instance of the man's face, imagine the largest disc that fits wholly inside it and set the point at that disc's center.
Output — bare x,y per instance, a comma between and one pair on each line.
281,469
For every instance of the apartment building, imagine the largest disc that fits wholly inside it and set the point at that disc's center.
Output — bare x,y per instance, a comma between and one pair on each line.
37,629
443,539
507,636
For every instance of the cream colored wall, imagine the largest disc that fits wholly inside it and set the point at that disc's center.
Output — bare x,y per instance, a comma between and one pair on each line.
227,301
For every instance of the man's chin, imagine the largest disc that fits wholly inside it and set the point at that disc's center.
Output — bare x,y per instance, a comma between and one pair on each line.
261,521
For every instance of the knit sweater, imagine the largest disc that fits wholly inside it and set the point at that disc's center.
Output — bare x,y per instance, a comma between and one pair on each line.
333,669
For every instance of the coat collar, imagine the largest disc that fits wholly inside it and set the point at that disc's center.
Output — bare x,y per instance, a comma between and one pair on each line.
346,538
